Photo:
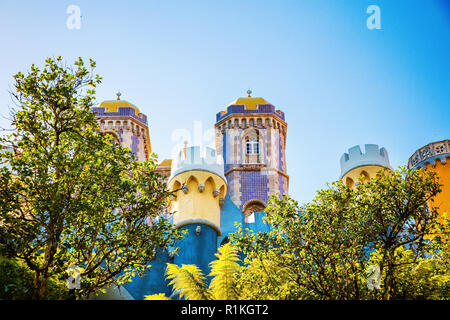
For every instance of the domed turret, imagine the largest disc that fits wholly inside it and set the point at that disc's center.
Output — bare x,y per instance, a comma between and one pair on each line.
126,123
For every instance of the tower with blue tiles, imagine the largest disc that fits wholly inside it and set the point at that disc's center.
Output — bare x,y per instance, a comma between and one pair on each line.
126,124
251,137
213,189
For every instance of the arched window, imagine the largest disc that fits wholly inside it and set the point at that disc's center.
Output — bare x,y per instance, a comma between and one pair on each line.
365,176
252,146
259,122
250,208
349,182
114,136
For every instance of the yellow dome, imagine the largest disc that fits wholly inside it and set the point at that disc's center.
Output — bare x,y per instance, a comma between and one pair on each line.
112,105
249,102
165,163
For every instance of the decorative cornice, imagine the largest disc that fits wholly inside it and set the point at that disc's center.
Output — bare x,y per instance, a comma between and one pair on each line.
200,221
430,153
241,109
250,115
256,169
121,112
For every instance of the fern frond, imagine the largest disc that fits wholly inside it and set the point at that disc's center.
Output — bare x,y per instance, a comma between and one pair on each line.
224,270
159,296
189,281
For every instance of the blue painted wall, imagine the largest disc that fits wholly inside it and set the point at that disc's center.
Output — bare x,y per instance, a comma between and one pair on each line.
154,281
259,225
197,249
193,249
229,214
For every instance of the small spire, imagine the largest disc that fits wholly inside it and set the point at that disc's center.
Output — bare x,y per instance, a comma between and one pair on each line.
249,92
184,150
118,94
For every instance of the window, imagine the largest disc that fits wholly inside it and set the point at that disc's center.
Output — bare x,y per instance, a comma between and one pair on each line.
349,182
250,208
250,218
252,146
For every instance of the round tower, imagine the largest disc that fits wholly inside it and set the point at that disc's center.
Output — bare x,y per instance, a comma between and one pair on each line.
200,188
126,123
433,157
251,137
355,163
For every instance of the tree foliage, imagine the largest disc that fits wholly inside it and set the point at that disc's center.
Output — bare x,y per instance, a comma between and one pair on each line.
70,195
16,282
323,250
190,283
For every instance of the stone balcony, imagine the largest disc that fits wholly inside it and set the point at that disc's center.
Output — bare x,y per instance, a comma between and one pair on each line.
429,153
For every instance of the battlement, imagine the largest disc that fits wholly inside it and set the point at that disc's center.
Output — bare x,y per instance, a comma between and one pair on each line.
242,110
121,111
355,158
191,158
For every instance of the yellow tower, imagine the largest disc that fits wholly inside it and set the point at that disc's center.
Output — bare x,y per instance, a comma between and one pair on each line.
433,157
356,164
201,188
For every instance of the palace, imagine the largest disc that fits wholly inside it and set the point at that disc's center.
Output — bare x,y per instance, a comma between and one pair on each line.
233,182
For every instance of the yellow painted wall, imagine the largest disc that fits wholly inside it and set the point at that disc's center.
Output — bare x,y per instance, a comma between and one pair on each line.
442,200
354,174
196,204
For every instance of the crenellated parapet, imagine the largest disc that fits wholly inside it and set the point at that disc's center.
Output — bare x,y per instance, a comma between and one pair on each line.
200,188
355,158
356,165
238,107
191,158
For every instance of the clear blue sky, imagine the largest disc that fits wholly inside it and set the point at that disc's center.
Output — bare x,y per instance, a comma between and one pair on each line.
339,83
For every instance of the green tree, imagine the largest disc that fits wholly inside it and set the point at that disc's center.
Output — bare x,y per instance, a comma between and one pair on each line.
16,282
70,196
323,250
190,282
426,276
